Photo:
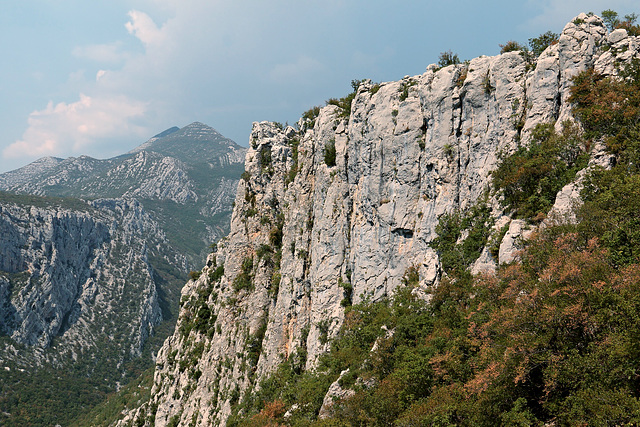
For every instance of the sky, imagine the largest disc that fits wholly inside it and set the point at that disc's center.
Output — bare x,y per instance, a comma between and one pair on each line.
100,77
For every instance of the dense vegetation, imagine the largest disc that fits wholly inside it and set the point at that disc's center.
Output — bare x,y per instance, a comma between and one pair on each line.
530,178
552,338
48,396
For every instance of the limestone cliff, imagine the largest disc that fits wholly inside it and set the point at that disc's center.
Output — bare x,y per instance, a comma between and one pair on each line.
78,279
341,207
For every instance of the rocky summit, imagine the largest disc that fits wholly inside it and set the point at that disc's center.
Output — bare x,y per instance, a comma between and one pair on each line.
344,208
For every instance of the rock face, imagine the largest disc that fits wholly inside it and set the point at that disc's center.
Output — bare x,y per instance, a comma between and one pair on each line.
343,206
69,272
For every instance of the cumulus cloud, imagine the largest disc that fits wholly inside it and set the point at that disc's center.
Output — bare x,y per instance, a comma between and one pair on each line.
142,26
225,63
71,128
100,74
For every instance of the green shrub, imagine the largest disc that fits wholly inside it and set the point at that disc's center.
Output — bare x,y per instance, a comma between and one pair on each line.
276,277
348,293
540,43
275,235
486,83
174,421
511,46
448,150
344,104
404,90
263,251
216,275
330,153
456,256
323,328
254,345
530,178
244,280
496,239
265,157
448,58
463,75
411,277
605,106
610,18
310,117
294,158
609,109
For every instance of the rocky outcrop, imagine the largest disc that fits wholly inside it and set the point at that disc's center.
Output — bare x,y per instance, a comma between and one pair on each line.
341,208
155,176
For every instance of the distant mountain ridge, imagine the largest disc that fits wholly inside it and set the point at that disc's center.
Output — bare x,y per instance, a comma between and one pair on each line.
191,144
194,167
26,173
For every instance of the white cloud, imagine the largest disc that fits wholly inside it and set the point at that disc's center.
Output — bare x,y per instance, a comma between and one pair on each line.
201,60
72,128
100,74
143,27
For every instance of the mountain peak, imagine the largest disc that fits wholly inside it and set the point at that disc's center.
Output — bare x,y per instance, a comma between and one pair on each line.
192,144
198,130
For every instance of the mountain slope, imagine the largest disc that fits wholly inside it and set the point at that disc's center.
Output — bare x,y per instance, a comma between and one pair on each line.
83,285
347,208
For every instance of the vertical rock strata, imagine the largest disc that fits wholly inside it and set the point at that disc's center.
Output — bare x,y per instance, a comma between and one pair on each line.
309,231
78,281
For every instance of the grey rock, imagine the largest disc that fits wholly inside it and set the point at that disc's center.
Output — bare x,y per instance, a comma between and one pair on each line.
513,241
617,36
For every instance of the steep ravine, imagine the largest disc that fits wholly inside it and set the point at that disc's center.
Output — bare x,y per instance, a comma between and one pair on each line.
69,275
309,230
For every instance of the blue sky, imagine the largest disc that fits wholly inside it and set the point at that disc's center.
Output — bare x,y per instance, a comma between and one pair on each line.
101,77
